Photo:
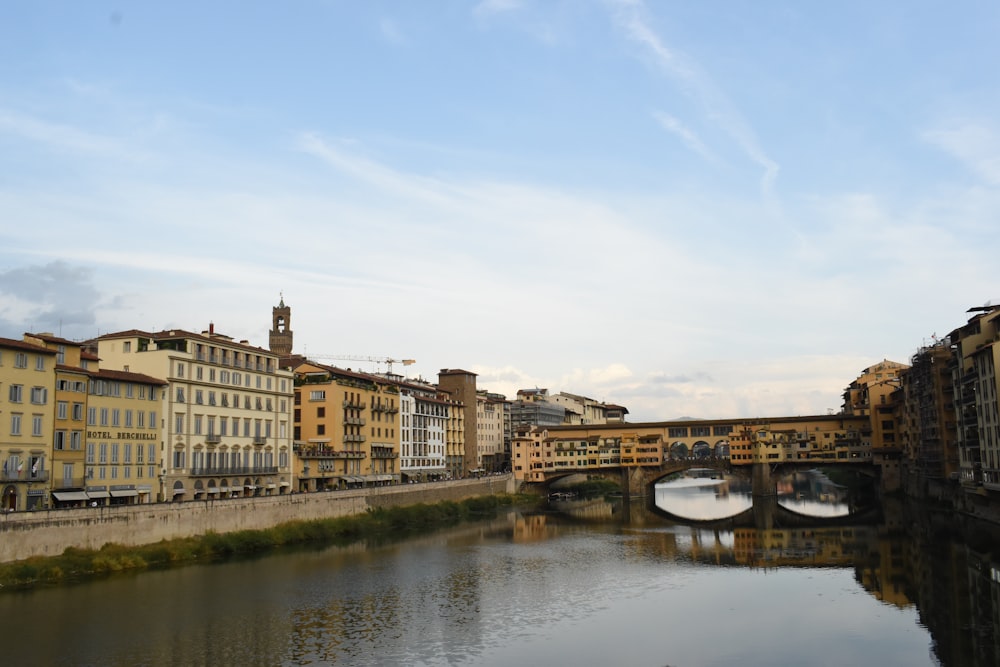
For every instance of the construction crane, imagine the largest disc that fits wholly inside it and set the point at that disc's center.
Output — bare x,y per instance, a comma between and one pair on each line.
388,361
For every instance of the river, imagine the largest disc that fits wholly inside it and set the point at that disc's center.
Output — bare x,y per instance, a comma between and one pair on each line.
585,582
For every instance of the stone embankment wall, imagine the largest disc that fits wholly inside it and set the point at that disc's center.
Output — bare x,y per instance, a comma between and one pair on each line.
49,532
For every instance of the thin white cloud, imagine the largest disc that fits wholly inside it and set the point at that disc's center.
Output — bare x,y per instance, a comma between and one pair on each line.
686,135
63,137
976,144
631,16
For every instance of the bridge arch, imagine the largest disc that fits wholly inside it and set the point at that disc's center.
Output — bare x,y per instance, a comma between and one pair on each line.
678,450
721,449
701,450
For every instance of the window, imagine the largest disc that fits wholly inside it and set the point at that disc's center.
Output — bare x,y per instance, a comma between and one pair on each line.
59,443
39,395
211,398
77,411
76,438
36,425
104,452
152,457
180,394
104,416
140,420
127,453
320,429
20,360
139,452
39,363
116,417
129,390
127,346
180,370
16,393
128,418
198,398
15,424
114,452
179,423
178,459
92,416
152,419
198,372
197,424
317,395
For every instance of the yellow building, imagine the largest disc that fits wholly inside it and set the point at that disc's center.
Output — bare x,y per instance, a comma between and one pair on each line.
27,400
124,438
346,430
226,411
69,437
821,438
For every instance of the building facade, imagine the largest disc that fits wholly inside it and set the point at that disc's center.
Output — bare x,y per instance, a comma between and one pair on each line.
346,428
227,408
27,394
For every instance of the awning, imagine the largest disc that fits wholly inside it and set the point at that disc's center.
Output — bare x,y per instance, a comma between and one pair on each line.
124,493
285,484
249,486
98,494
178,490
66,496
272,486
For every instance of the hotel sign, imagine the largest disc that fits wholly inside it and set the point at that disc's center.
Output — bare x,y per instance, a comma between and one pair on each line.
120,435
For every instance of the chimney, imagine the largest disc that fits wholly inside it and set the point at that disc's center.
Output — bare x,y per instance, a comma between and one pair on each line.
211,329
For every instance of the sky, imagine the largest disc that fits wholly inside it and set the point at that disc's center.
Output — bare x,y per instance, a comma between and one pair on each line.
707,209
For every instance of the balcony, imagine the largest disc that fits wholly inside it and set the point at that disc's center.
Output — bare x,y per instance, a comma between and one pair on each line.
353,437
259,440
213,439
354,405
223,471
24,476
355,421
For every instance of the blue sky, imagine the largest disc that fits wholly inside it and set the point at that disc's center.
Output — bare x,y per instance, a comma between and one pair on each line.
710,209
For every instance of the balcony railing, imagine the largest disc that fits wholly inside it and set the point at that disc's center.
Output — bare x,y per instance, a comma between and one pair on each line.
24,476
212,471
259,440
354,405
353,437
355,421
213,439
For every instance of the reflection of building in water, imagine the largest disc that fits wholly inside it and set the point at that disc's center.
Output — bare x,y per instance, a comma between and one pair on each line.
530,528
884,574
801,546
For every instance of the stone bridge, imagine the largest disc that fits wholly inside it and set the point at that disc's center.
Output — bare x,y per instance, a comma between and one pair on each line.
638,480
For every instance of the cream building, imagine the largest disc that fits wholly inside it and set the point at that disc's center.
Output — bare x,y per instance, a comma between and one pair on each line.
489,432
226,412
424,418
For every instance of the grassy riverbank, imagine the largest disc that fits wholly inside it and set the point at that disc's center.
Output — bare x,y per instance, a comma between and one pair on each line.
75,565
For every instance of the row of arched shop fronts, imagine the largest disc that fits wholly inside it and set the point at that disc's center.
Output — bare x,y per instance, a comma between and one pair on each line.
680,451
211,489
341,482
11,500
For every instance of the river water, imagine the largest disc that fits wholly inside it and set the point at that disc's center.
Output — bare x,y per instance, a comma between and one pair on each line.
585,582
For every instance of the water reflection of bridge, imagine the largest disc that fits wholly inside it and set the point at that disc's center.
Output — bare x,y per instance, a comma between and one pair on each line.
638,480
802,542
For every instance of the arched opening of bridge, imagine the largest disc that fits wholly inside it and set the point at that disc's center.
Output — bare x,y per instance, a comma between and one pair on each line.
722,449
678,451
701,450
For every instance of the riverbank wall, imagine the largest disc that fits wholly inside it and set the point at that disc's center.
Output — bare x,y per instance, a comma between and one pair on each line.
50,532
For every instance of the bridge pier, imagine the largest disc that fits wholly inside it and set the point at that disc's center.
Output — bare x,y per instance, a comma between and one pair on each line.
762,484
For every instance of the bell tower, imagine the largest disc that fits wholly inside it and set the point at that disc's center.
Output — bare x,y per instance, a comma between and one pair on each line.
280,339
